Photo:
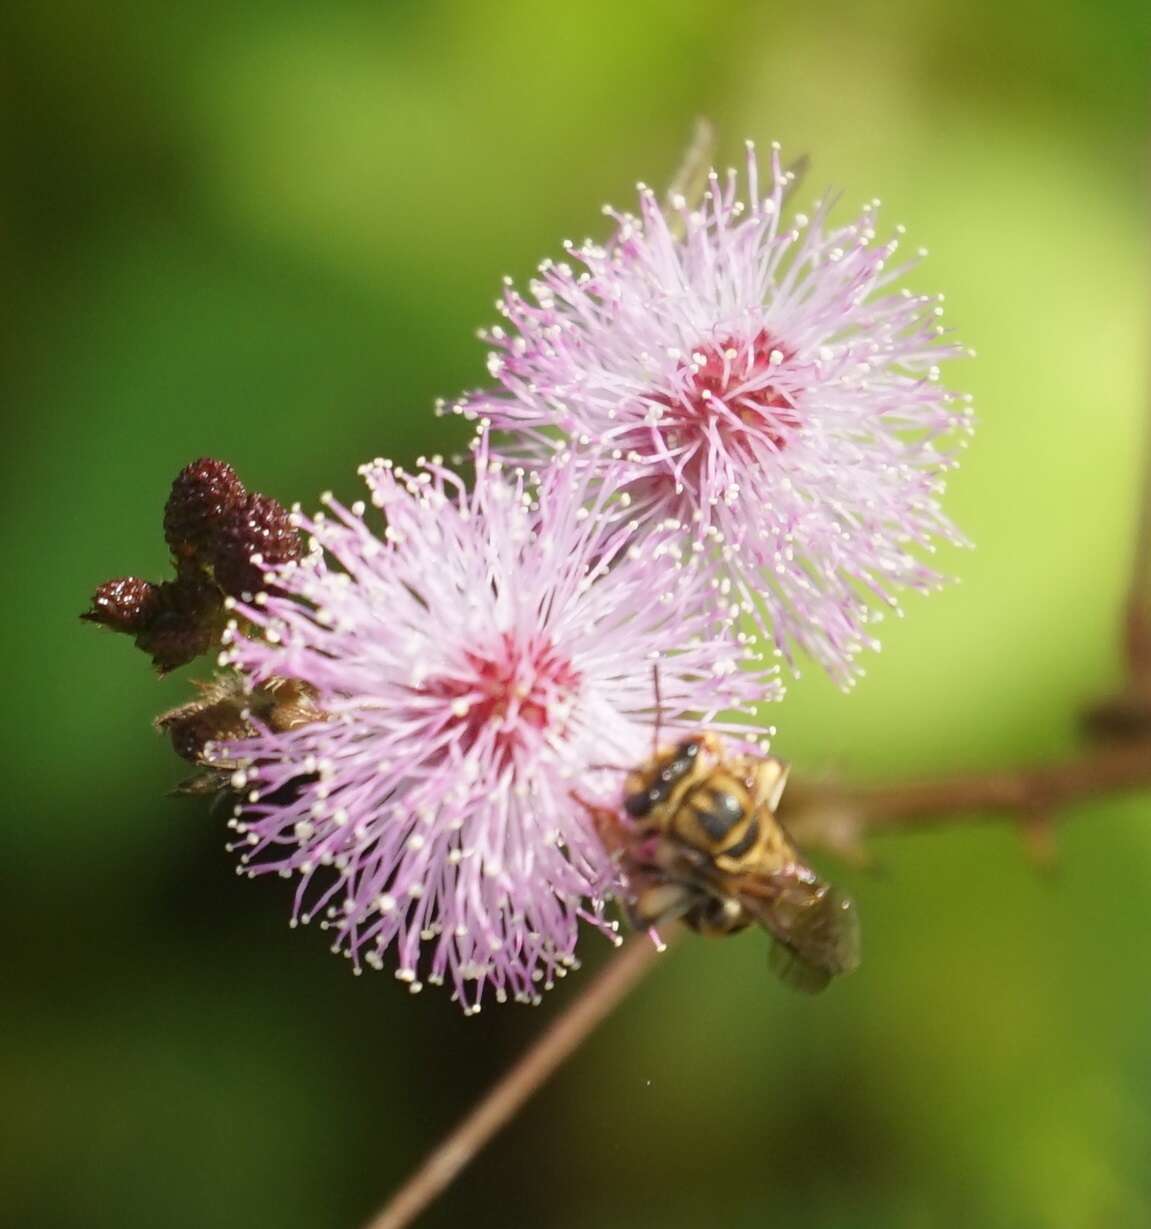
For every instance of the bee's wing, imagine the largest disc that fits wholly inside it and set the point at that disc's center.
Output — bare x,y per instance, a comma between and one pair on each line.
794,971
771,781
814,927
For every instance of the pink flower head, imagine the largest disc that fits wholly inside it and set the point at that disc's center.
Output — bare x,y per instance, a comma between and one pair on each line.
479,665
762,384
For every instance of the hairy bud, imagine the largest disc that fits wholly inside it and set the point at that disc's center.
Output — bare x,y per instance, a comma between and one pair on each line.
214,528
188,621
261,527
126,605
205,494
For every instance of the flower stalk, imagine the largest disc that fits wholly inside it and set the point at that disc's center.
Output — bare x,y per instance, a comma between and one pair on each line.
508,1095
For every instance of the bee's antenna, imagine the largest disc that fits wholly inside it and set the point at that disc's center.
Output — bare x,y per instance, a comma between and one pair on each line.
658,709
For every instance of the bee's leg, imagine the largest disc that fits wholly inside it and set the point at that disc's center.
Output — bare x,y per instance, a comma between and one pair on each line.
658,902
650,899
630,847
718,916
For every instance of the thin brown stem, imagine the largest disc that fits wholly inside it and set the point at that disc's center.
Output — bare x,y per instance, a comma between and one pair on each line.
501,1102
838,816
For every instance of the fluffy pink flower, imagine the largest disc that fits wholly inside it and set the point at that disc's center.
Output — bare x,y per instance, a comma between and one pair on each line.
486,657
763,384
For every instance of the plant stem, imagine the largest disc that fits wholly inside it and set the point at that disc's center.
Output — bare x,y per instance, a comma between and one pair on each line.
838,817
501,1102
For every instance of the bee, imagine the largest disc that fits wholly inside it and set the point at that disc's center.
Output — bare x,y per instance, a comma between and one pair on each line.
699,841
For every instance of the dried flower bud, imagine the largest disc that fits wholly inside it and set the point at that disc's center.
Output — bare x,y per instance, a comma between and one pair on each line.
192,727
221,711
125,605
225,710
188,622
284,704
262,527
205,495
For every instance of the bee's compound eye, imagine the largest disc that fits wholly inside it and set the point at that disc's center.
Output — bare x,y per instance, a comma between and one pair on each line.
639,804
679,764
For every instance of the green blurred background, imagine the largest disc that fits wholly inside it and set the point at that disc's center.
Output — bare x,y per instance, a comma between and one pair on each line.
268,232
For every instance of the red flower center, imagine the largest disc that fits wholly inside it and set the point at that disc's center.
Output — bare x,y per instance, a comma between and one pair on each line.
725,397
516,691
728,383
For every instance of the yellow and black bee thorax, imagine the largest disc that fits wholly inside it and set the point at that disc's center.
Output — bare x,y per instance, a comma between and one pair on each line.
717,816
